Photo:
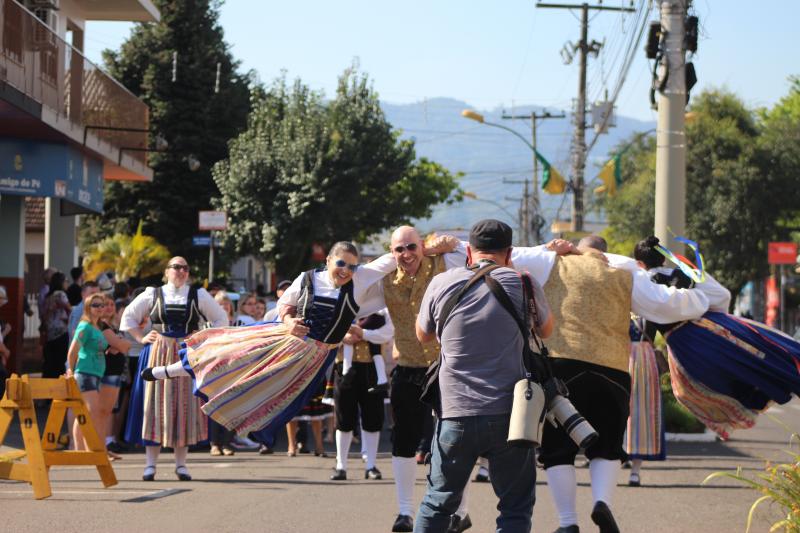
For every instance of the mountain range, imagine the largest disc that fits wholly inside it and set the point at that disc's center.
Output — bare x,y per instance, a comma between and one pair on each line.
489,158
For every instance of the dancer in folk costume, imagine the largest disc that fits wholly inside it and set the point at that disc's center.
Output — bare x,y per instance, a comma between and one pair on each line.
166,413
258,378
724,369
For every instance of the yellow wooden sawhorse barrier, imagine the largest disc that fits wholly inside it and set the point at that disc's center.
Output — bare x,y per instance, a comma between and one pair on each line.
41,450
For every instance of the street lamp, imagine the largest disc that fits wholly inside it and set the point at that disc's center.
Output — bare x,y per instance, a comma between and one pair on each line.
474,115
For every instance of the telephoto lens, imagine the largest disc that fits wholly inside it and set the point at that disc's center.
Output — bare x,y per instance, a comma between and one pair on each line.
579,430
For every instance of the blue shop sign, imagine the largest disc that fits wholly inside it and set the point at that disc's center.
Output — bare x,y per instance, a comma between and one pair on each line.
32,168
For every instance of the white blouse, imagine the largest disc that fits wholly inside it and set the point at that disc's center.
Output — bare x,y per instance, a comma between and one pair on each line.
140,307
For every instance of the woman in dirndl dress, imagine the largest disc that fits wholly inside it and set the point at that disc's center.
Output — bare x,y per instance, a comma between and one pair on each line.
166,413
645,433
724,369
257,378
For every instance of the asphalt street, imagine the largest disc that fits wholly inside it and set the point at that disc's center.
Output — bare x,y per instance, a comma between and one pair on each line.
249,492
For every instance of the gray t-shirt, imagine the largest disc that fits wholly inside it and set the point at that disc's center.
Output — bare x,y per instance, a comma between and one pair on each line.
481,342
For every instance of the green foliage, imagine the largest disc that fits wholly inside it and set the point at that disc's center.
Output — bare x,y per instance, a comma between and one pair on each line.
187,113
308,171
779,485
741,185
127,256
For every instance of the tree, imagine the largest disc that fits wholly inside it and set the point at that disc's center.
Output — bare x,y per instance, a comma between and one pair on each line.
195,120
306,171
738,198
128,256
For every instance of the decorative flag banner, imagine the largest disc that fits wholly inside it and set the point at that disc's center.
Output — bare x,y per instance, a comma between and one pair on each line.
611,176
695,273
552,181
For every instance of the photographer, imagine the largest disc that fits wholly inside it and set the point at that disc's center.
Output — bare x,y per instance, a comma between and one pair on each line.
481,361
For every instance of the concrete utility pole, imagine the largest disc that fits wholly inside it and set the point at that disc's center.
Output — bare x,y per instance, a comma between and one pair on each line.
579,140
536,219
670,133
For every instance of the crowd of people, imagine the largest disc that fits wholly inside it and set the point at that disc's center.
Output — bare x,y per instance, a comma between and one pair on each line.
175,365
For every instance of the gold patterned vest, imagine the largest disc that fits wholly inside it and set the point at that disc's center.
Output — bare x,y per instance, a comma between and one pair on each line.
361,353
403,296
591,305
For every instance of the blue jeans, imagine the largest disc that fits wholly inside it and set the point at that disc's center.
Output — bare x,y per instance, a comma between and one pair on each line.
457,444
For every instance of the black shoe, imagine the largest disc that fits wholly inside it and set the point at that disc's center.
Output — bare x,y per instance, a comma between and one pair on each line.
183,473
373,473
147,374
265,450
339,475
458,524
116,447
601,515
149,473
568,529
403,523
381,388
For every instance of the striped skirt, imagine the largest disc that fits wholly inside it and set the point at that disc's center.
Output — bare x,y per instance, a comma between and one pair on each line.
255,376
646,421
726,370
164,413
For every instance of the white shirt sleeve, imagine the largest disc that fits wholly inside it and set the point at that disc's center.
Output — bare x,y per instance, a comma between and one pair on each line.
137,310
719,298
374,271
383,334
623,263
537,260
456,258
213,312
662,304
290,296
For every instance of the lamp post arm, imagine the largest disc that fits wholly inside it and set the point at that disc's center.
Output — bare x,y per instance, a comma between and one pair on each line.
520,137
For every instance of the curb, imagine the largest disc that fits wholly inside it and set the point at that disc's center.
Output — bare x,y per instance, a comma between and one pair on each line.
706,436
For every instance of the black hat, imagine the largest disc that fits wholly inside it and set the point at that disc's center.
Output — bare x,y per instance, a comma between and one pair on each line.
490,234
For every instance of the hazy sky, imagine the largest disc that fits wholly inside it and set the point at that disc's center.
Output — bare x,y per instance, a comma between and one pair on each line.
492,54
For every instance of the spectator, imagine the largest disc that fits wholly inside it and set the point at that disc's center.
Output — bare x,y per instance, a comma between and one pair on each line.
260,309
121,291
43,291
272,310
54,325
88,288
5,353
74,290
247,310
115,361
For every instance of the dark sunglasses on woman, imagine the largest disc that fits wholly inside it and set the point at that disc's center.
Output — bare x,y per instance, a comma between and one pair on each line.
340,263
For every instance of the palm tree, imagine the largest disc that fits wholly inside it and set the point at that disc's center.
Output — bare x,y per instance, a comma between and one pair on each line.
127,256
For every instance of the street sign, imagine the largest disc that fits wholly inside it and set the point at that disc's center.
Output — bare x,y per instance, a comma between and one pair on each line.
212,220
782,253
201,240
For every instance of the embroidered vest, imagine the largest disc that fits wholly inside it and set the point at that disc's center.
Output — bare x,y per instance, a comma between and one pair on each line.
591,305
176,320
363,351
403,296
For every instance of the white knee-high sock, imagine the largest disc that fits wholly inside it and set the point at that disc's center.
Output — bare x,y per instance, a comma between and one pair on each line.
563,487
343,440
181,453
463,507
151,455
380,368
405,475
347,358
173,370
604,473
370,441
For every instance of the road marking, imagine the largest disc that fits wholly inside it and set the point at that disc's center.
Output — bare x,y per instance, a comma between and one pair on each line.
57,492
155,495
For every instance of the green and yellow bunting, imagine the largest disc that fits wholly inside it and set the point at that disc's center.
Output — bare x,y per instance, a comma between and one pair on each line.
552,181
611,176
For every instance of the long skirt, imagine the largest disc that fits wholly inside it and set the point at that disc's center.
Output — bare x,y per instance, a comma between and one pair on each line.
164,412
646,421
726,369
255,378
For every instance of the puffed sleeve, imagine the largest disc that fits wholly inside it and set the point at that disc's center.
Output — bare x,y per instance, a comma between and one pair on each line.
374,271
290,295
536,260
665,305
137,310
719,298
213,312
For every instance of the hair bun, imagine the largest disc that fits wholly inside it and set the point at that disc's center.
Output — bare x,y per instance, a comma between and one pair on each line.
652,241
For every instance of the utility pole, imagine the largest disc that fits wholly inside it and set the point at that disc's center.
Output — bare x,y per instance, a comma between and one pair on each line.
584,47
537,217
524,212
670,215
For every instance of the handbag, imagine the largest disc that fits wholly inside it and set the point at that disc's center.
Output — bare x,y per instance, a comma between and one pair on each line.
431,395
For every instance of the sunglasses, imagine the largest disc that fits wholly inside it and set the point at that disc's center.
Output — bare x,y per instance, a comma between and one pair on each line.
340,263
412,246
97,306
185,268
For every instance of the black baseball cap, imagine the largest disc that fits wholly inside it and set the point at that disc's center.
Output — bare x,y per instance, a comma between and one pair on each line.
490,234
